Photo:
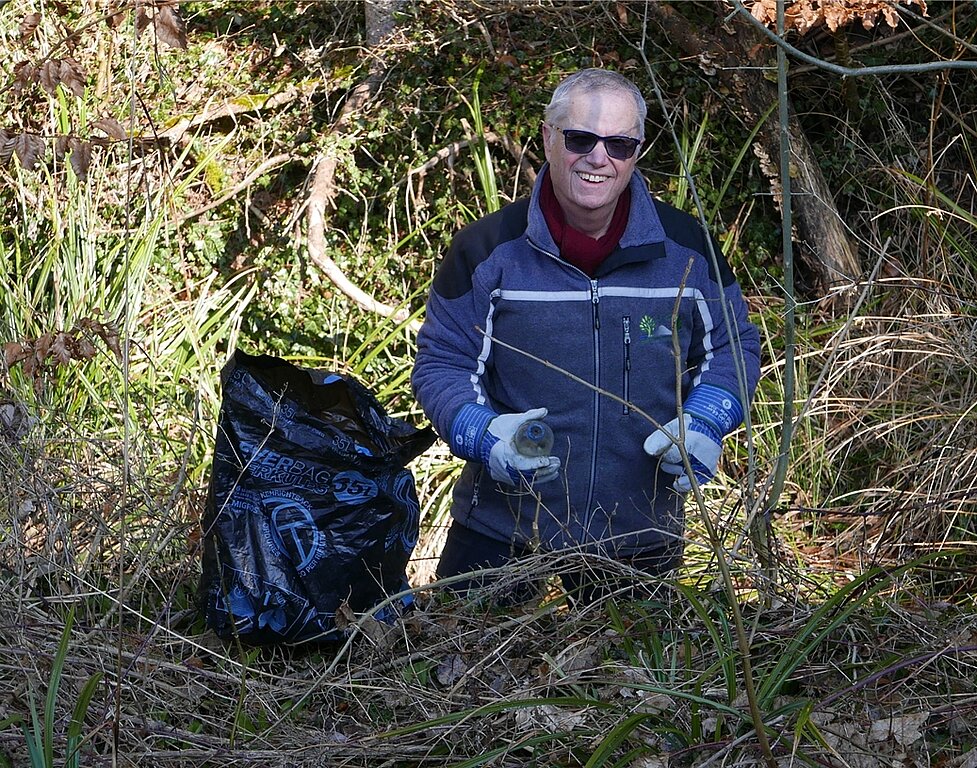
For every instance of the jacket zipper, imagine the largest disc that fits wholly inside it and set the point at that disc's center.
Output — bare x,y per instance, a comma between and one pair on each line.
595,300
627,363
475,487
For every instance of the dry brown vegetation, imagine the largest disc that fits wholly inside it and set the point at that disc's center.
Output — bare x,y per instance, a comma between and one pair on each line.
154,212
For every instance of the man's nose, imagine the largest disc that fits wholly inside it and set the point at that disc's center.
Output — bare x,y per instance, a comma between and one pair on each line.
598,155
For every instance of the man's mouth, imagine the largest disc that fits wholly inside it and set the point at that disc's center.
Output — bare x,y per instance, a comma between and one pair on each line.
594,179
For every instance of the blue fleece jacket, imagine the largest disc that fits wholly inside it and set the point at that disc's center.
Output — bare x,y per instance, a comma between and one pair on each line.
503,290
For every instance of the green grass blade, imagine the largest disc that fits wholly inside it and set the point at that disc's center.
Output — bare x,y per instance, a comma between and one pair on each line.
723,641
51,700
73,760
617,736
744,149
494,708
490,755
35,739
831,614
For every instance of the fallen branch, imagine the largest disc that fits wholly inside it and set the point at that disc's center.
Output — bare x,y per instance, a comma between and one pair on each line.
518,153
319,194
177,132
322,192
257,173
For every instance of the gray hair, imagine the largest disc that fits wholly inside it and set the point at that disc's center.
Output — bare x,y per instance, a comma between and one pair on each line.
589,81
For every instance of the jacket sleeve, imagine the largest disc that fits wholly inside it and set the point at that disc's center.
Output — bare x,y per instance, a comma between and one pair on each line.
452,346
726,349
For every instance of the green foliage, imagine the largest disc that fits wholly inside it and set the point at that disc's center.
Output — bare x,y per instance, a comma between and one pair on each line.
480,150
41,737
105,490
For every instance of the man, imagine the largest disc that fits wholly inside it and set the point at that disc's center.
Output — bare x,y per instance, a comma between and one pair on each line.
586,276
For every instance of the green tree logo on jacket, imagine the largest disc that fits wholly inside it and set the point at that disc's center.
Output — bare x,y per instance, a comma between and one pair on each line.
652,329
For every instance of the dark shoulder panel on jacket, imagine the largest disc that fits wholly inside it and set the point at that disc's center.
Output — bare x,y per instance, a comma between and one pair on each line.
473,244
687,230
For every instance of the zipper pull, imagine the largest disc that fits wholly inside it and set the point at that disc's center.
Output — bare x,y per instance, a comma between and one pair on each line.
626,321
627,342
595,299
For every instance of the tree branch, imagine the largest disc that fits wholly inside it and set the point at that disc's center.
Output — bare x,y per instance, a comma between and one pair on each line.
177,132
320,194
257,173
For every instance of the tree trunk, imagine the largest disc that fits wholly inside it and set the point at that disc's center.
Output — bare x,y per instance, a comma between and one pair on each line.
736,53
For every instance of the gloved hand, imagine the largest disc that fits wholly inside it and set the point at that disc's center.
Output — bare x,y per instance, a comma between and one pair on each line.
702,443
480,434
505,463
709,413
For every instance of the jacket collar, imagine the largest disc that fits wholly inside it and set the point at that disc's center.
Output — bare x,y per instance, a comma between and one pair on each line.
644,227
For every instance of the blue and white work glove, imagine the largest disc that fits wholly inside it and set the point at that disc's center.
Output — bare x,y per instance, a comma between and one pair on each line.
709,413
481,434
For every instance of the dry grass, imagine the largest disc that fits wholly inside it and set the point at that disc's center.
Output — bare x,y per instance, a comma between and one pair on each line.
458,682
857,668
854,668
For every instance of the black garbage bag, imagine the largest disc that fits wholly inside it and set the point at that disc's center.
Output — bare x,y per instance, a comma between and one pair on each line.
309,506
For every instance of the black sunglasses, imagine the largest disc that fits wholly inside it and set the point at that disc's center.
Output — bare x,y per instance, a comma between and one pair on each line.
583,143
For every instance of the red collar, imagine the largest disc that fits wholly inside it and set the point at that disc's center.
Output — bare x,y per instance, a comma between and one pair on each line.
581,250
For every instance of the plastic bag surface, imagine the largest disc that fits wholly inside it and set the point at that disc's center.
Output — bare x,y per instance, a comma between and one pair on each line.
310,504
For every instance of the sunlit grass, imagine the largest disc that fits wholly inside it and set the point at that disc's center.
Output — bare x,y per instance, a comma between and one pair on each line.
870,618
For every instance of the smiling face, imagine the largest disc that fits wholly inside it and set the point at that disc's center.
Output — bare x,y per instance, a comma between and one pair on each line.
588,186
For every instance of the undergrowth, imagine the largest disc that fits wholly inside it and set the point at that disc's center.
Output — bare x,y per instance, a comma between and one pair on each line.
121,297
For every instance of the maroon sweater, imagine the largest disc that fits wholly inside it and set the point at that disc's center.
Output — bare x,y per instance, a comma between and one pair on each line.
581,250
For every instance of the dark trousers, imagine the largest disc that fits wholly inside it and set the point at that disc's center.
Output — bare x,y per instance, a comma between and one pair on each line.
465,551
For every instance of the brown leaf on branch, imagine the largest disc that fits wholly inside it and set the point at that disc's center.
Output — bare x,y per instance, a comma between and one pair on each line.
60,348
73,76
49,75
6,146
803,15
891,18
29,149
25,75
170,27
110,127
107,332
34,364
84,349
81,157
14,352
115,13
66,72
144,18
110,335
836,16
31,367
28,27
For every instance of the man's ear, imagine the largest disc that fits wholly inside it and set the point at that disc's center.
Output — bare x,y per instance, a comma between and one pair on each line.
547,135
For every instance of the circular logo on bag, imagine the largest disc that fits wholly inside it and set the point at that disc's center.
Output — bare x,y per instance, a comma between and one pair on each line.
293,530
353,488
407,497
